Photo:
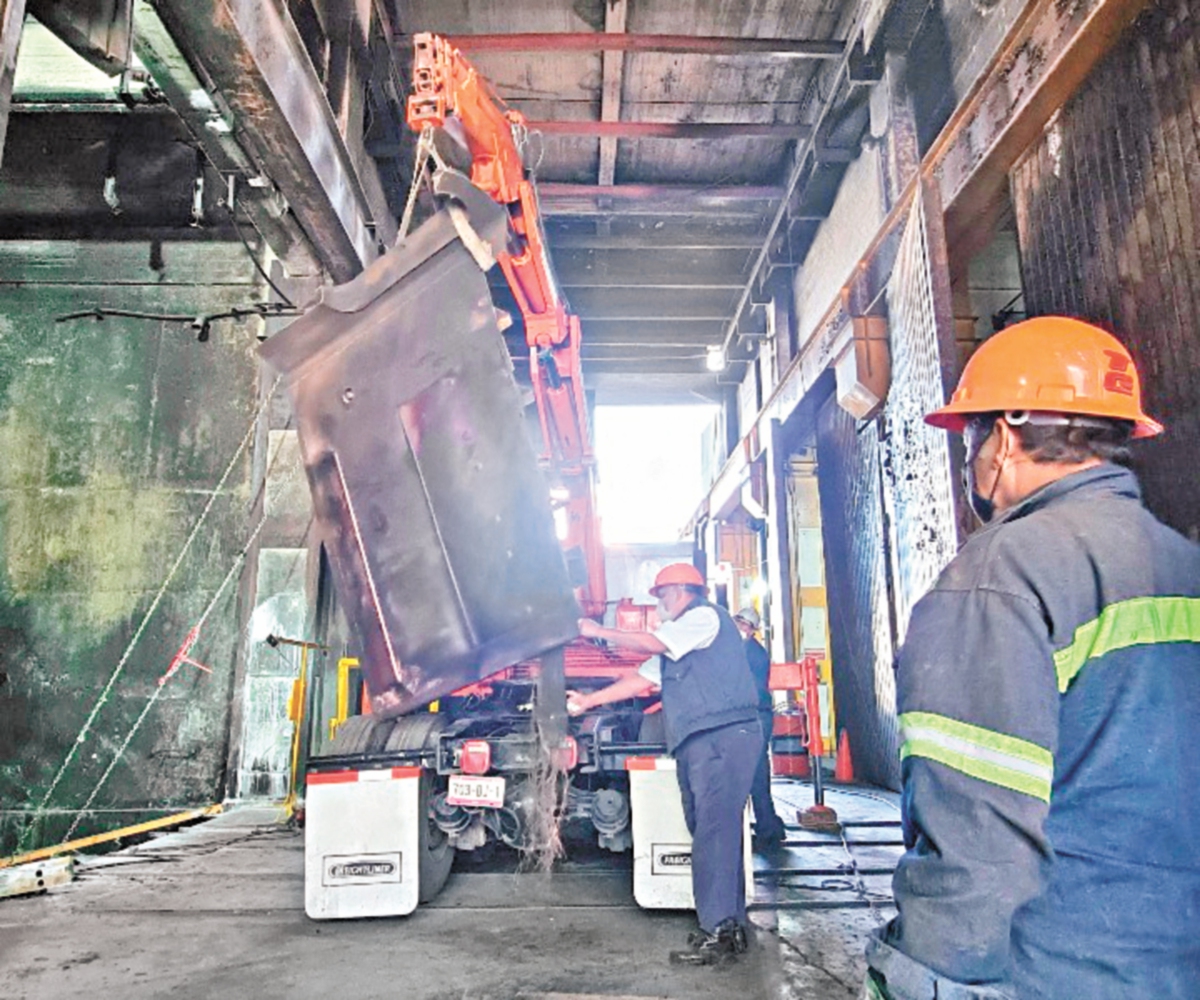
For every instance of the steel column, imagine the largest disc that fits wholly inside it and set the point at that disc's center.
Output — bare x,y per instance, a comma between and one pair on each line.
12,20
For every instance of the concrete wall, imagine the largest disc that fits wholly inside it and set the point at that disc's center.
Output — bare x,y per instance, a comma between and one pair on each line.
953,46
113,436
842,239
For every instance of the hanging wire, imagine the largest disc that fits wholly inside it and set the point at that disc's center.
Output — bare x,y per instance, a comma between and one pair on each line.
237,228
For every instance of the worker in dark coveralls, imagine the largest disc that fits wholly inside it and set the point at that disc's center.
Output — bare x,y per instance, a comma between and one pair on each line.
768,827
1049,697
710,710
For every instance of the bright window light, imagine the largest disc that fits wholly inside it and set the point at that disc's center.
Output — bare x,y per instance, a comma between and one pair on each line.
649,464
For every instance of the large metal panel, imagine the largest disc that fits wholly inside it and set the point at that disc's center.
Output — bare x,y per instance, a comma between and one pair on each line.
425,486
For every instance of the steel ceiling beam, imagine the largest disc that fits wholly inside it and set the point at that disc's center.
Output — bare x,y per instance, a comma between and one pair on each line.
654,239
699,193
595,41
664,332
261,203
672,130
629,305
1012,102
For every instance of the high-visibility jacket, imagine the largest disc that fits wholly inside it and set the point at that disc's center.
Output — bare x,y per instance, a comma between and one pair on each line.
1049,697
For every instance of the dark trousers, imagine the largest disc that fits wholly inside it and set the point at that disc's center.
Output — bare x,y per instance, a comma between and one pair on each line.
716,770
766,821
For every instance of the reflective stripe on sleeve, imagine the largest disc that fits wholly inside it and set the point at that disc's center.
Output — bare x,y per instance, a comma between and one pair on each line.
979,753
1142,621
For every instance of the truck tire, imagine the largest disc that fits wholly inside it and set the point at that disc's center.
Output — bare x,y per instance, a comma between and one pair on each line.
435,852
357,733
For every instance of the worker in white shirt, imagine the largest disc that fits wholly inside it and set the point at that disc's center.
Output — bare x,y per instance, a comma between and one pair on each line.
710,710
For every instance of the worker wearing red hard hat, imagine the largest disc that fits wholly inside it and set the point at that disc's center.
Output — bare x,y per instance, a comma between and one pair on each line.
710,709
1049,699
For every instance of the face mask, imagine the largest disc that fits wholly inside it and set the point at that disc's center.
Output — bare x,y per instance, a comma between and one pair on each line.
663,614
983,507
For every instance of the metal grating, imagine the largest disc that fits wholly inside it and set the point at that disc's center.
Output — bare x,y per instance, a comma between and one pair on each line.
848,463
1108,213
918,488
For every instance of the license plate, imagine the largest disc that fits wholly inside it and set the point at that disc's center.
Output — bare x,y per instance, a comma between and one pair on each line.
469,791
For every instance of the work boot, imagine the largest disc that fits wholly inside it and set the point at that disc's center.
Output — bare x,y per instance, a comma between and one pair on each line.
734,935
770,840
718,948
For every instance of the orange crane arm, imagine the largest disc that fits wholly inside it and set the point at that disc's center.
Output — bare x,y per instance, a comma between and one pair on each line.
449,93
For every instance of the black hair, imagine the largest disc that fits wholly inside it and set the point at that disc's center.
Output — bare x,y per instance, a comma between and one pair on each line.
1107,440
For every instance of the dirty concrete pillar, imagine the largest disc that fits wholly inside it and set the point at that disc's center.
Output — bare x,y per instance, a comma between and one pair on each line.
779,570
12,19
894,123
278,590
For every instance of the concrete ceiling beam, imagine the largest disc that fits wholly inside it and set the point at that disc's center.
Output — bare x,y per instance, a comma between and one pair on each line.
250,54
255,196
611,83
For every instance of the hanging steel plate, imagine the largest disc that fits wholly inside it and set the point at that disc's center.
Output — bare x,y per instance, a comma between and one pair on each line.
431,506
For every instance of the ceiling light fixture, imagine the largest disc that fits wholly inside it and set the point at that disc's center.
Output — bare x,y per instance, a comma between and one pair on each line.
714,359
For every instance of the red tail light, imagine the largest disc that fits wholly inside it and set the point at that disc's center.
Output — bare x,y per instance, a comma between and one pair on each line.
567,754
476,757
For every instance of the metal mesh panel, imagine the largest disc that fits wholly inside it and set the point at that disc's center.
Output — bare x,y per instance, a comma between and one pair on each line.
916,458
856,577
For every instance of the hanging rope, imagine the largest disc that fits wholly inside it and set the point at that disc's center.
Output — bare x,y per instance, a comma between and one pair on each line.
162,681
141,629
424,149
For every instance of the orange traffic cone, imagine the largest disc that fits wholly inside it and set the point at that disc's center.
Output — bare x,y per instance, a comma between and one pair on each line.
843,770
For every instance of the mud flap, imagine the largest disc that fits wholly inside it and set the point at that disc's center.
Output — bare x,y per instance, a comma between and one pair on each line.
662,846
362,843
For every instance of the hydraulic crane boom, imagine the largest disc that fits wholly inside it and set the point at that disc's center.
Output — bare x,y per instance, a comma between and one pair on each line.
450,94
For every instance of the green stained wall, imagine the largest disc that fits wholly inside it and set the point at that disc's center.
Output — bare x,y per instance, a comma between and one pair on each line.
113,436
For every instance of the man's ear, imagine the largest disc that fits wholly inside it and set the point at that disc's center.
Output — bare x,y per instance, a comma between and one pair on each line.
1008,442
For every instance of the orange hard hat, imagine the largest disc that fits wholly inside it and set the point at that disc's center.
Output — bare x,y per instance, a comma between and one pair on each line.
682,574
1049,364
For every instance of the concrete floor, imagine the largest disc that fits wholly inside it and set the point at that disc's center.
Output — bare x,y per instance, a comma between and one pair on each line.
216,910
